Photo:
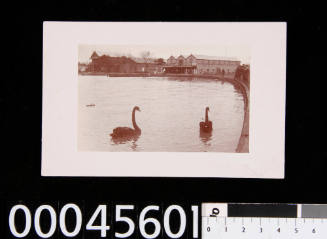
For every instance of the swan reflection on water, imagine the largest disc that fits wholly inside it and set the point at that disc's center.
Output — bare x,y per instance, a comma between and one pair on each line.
206,138
132,141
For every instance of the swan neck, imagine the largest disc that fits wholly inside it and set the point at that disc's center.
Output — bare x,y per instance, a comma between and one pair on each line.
133,121
207,117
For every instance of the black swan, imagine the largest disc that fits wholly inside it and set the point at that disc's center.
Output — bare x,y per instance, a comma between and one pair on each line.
126,132
206,126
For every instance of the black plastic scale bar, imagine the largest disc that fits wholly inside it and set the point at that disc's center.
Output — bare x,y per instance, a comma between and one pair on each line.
262,210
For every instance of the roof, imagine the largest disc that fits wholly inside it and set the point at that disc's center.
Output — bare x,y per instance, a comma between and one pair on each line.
94,55
205,57
114,60
222,58
184,56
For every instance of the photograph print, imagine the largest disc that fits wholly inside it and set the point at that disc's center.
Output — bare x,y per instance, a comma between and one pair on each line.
156,99
163,98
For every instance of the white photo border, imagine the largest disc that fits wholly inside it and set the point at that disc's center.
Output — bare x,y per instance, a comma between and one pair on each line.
60,155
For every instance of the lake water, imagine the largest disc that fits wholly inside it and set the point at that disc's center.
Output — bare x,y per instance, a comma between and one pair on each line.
171,110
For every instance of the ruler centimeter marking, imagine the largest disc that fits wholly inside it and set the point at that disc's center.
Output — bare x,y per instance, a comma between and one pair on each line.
239,227
285,221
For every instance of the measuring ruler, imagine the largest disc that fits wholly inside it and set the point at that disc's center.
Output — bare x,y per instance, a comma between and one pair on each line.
266,221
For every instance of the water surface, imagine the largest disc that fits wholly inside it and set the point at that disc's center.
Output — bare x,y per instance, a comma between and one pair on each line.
171,110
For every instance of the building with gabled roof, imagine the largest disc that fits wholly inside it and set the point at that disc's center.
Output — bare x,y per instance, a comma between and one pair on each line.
201,64
94,55
106,64
109,64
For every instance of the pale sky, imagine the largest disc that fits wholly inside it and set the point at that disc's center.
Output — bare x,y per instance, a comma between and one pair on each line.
242,53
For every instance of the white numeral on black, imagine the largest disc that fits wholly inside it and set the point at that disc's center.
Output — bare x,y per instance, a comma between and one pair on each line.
167,220
195,210
62,220
143,222
28,221
102,209
53,221
145,219
119,218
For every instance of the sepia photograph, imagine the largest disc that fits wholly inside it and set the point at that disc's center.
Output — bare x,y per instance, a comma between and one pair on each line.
163,98
158,120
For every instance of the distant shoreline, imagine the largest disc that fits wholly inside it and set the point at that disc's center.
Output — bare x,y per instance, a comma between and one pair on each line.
142,74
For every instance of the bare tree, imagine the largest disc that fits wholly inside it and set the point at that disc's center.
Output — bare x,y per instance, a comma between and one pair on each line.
146,56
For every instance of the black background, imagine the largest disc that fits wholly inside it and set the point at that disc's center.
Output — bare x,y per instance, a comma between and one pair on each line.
21,103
